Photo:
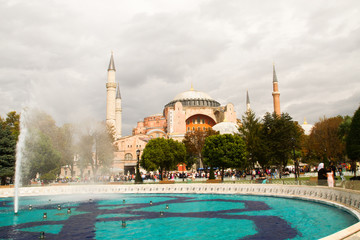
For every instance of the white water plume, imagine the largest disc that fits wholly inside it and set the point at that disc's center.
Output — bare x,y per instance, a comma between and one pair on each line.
19,158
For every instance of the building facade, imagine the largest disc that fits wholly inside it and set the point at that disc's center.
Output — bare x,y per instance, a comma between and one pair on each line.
194,110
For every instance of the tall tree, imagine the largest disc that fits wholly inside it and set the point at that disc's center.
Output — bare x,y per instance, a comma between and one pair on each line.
353,140
250,131
13,121
41,146
324,140
66,146
344,127
41,157
307,153
163,155
84,149
194,142
7,153
225,151
96,149
281,135
104,149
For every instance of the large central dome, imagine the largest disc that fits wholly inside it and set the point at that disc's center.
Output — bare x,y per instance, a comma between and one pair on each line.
194,98
192,94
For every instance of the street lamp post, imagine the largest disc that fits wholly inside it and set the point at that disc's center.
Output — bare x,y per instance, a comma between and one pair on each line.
138,178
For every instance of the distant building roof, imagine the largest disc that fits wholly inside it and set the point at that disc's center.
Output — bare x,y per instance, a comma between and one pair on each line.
307,127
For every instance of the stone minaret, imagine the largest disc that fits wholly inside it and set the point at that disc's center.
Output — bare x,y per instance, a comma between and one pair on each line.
248,109
118,111
276,93
110,94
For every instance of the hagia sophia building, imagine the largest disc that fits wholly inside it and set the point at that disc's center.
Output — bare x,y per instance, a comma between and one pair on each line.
188,111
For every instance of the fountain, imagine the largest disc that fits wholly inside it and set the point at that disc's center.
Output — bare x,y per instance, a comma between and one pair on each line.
19,158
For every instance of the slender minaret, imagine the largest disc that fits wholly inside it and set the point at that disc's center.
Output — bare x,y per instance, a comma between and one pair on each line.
276,93
110,94
248,109
118,111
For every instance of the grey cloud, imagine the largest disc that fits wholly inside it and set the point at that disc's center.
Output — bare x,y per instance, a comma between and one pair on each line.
55,55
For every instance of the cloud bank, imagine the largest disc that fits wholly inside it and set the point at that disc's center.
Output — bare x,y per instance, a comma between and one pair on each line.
54,55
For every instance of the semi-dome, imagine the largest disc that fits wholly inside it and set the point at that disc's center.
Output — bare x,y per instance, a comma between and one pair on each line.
226,128
194,98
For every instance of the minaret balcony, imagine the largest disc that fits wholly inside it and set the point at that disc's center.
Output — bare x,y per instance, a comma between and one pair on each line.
111,85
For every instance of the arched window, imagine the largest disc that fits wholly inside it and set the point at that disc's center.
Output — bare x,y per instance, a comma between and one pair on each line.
128,156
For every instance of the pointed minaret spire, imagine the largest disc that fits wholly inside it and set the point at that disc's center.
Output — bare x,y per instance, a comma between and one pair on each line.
276,93
111,64
274,74
118,95
247,101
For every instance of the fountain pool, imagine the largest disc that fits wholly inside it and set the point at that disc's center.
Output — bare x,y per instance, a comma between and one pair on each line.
170,216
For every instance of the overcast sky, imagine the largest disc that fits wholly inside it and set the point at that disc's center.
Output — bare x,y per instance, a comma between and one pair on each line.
55,54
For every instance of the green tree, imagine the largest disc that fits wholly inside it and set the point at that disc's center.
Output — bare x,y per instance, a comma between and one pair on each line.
281,136
66,146
104,149
324,140
13,121
163,155
7,153
353,140
96,149
225,151
344,127
250,131
194,142
40,154
85,152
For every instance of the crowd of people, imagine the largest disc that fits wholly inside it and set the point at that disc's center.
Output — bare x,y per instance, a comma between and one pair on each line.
326,176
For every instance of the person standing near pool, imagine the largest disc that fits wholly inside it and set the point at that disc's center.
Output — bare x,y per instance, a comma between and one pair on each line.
330,177
322,176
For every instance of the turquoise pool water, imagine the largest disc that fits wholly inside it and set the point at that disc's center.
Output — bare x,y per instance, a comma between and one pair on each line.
170,216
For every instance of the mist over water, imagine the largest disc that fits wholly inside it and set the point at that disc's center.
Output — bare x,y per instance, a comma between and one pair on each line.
44,146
